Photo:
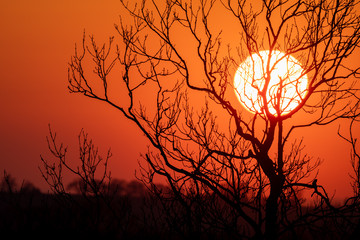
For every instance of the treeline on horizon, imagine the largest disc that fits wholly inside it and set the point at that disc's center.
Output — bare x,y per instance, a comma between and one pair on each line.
131,210
27,211
9,184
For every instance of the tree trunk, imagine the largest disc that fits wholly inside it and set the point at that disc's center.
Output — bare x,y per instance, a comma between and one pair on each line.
272,205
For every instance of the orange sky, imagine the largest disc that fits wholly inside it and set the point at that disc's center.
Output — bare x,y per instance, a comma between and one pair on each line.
36,42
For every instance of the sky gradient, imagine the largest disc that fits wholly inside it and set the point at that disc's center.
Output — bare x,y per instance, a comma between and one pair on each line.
36,42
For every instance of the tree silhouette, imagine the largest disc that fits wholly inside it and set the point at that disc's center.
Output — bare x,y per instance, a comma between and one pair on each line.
177,62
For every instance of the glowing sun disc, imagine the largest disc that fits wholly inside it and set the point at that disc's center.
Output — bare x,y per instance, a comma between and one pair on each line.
287,83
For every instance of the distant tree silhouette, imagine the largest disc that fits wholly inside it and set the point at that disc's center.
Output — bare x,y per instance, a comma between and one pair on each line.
181,96
8,184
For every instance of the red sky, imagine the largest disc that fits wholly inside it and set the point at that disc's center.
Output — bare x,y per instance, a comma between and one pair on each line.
36,42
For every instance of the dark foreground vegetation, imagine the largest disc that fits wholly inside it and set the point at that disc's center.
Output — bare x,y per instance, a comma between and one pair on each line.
129,210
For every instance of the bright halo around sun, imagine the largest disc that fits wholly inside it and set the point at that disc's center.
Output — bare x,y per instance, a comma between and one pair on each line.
287,84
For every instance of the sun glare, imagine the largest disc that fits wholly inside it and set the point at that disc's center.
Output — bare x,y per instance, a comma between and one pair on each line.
286,88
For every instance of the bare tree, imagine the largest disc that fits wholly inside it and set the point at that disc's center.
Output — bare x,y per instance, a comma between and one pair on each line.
93,192
180,94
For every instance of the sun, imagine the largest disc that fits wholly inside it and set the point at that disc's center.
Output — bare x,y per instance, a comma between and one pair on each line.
286,88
